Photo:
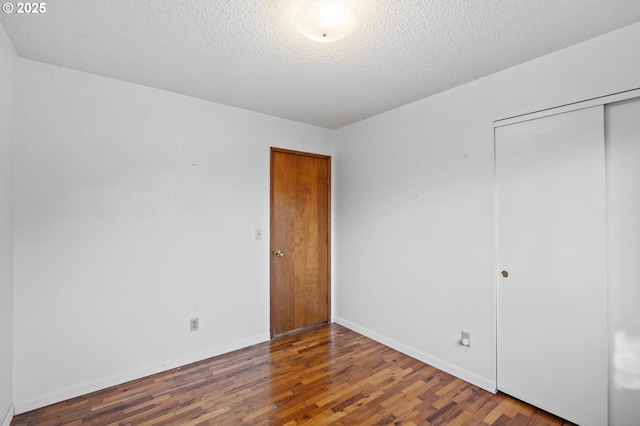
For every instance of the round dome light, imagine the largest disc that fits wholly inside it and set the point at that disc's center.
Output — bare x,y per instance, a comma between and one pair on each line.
325,20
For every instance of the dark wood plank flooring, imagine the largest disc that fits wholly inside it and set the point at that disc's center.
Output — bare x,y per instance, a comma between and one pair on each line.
328,375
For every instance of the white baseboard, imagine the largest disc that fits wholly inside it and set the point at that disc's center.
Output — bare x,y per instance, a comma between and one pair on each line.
39,401
9,417
454,370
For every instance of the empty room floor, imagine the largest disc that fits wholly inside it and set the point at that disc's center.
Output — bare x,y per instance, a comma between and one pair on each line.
328,375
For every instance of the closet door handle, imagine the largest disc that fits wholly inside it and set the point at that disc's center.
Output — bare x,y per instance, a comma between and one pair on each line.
505,274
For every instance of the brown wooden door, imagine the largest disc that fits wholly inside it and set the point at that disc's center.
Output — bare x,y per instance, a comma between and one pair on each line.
300,203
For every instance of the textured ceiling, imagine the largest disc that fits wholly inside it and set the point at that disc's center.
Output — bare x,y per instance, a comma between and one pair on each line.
245,53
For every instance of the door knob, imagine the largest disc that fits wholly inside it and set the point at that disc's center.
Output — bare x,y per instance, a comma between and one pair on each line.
505,274
278,253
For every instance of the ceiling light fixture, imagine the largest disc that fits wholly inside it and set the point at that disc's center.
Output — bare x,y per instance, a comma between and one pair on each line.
325,20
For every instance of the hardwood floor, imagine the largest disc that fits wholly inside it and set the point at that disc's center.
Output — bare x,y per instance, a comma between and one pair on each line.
328,375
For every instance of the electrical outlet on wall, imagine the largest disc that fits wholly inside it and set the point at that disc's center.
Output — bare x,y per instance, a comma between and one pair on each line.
195,324
465,340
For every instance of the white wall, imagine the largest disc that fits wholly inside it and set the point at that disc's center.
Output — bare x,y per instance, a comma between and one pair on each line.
136,211
7,94
415,204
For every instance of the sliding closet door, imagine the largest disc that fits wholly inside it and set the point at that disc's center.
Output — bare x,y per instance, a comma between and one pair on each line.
551,259
623,227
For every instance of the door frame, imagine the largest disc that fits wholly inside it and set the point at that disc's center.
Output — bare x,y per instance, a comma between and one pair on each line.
274,150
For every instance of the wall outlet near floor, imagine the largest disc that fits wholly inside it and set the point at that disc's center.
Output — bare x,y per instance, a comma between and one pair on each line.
465,340
195,324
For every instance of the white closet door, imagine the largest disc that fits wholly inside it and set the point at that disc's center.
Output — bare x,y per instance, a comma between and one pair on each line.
623,217
551,240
